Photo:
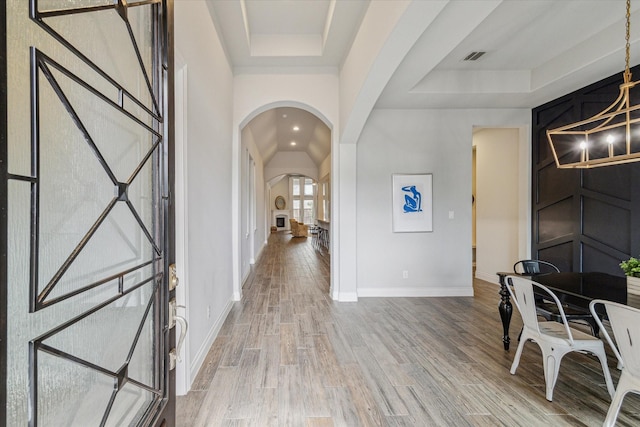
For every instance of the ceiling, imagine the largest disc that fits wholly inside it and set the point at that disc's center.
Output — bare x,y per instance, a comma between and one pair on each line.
536,50
281,34
277,129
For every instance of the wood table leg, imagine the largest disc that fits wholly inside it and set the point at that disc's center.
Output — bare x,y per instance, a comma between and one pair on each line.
506,310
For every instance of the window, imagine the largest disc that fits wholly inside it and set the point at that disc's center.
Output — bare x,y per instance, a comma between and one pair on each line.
302,190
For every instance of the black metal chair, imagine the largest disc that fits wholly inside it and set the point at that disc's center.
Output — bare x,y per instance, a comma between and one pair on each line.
548,309
530,267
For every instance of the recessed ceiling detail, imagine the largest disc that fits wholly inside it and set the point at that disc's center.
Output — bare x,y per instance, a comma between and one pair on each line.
273,131
300,33
290,28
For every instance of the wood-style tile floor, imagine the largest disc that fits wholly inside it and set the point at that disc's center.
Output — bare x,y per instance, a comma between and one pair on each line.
288,355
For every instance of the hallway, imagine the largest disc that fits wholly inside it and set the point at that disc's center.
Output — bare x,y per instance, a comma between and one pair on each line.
288,355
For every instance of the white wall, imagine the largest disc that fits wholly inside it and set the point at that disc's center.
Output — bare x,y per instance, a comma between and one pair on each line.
210,99
387,33
324,171
420,141
497,201
324,179
253,229
281,188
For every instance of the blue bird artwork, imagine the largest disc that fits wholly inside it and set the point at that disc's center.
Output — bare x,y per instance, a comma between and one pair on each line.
413,200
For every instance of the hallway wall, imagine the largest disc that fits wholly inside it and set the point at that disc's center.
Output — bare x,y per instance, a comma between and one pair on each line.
420,141
253,229
210,100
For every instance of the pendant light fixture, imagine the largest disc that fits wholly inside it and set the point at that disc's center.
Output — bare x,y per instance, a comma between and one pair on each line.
610,137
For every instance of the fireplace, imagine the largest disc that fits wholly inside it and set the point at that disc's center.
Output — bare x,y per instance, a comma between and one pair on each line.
280,219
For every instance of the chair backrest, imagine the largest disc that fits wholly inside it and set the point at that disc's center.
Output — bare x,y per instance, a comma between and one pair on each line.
625,324
294,224
522,293
534,266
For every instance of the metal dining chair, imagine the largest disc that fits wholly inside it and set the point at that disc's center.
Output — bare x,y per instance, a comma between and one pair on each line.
530,267
625,324
546,308
554,339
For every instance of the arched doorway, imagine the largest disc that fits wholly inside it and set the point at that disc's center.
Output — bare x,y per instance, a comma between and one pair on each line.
277,146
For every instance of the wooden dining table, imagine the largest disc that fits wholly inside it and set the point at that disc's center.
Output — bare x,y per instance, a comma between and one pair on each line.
574,290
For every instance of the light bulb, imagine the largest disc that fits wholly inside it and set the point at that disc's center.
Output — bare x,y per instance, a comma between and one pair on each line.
610,139
583,145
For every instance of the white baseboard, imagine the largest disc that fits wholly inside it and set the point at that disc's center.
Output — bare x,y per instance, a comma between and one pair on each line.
491,277
260,250
202,352
459,291
347,297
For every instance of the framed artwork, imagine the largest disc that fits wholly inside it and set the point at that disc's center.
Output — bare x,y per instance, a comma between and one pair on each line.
412,203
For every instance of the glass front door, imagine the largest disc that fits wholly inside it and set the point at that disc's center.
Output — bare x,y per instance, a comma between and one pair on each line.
86,202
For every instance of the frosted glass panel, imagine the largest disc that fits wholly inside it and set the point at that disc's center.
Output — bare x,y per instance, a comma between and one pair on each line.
48,5
112,49
111,350
18,297
85,259
109,347
70,394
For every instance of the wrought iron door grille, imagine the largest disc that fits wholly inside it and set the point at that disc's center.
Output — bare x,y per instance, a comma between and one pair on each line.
41,63
146,113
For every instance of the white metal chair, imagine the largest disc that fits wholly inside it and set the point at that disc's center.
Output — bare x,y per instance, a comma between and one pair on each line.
547,308
625,324
554,339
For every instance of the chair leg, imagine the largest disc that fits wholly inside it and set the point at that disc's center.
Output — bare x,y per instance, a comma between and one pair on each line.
551,358
516,358
605,369
616,402
551,368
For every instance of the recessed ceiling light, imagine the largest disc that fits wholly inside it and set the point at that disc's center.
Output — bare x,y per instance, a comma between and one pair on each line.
284,116
296,128
293,143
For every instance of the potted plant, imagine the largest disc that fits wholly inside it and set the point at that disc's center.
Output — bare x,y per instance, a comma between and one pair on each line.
631,268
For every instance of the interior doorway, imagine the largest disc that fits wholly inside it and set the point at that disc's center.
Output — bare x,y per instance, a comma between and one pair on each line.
277,147
473,210
496,199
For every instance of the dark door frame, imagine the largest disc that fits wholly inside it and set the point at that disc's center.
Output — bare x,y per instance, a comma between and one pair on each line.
166,414
3,209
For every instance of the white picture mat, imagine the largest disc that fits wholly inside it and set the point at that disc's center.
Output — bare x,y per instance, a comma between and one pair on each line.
412,204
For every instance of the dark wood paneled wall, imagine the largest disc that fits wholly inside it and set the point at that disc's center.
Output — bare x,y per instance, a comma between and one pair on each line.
583,219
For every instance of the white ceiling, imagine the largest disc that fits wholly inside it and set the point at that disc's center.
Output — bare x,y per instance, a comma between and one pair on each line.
537,50
273,131
259,34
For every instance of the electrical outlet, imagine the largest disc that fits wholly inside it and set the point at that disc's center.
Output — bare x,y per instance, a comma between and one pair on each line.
208,311
405,274
451,214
